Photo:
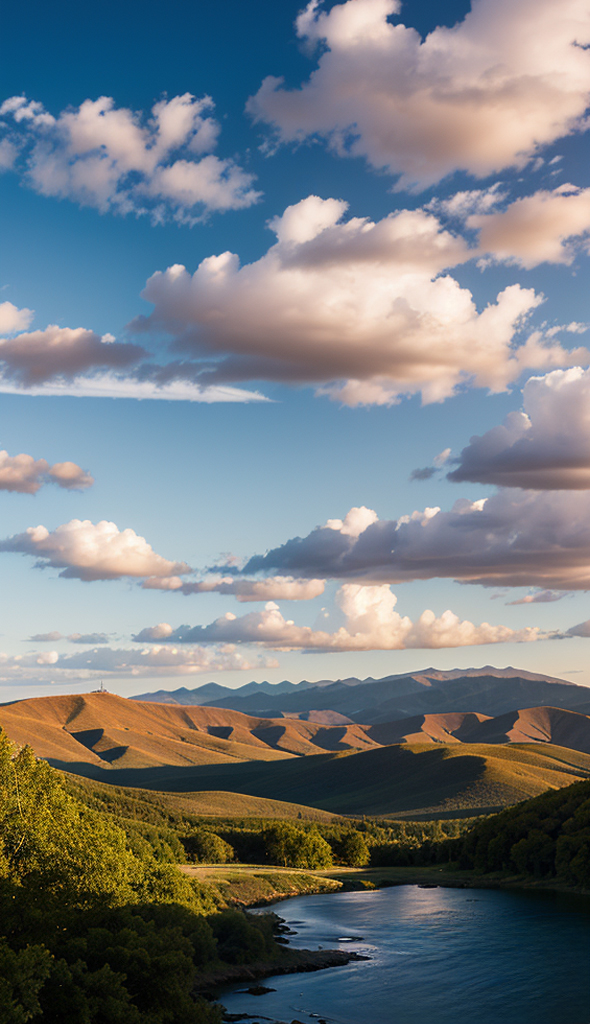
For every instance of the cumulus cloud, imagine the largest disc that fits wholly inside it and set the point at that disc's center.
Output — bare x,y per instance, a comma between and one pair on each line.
276,588
46,638
546,446
370,624
61,352
13,319
88,551
540,228
26,475
64,361
361,309
487,94
116,160
515,539
121,663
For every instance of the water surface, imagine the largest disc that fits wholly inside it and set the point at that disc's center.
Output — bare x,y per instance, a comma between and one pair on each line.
437,955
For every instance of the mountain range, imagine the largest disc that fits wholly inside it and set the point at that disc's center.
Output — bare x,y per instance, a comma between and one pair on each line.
434,763
488,691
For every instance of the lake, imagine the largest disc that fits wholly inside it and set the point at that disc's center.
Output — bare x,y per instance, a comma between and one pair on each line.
437,955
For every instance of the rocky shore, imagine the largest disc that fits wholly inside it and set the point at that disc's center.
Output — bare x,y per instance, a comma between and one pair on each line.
291,961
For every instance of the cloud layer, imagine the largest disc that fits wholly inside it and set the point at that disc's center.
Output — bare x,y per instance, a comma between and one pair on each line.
514,539
89,551
484,95
370,624
121,663
26,475
361,309
74,638
277,588
117,160
64,361
546,446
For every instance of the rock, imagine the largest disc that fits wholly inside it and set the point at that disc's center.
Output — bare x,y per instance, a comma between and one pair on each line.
259,990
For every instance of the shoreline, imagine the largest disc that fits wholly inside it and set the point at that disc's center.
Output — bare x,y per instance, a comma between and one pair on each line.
293,961
248,885
358,879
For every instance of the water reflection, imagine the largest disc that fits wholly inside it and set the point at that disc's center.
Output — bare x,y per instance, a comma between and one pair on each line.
444,955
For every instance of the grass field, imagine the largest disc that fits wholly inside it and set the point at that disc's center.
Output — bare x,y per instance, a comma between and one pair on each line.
435,780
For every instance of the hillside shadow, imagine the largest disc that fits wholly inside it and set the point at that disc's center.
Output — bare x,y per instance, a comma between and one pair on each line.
379,781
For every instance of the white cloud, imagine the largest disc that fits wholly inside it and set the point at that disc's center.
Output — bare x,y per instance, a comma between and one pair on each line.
36,357
88,638
88,551
26,475
461,205
546,446
370,624
429,471
487,94
540,228
276,588
13,319
440,459
111,385
359,308
514,539
116,160
120,663
154,633
64,361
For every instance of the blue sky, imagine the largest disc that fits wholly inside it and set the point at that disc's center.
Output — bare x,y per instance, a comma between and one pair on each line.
409,213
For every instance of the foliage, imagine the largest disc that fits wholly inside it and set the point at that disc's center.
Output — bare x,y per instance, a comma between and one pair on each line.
293,847
546,837
99,926
207,847
353,849
22,975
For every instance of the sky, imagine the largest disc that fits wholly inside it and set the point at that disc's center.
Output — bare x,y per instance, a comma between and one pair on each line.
294,350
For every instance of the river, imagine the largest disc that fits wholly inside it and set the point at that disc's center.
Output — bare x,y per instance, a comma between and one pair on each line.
475,956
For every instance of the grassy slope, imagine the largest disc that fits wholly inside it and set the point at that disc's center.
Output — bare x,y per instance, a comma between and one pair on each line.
133,802
103,730
387,780
221,752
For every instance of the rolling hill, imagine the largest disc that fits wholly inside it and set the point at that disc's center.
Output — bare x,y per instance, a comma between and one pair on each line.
432,763
412,780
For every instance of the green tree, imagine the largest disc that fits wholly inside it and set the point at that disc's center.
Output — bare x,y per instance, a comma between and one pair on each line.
353,849
296,848
207,847
22,975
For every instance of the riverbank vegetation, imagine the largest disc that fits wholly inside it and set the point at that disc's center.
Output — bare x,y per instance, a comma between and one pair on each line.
99,925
